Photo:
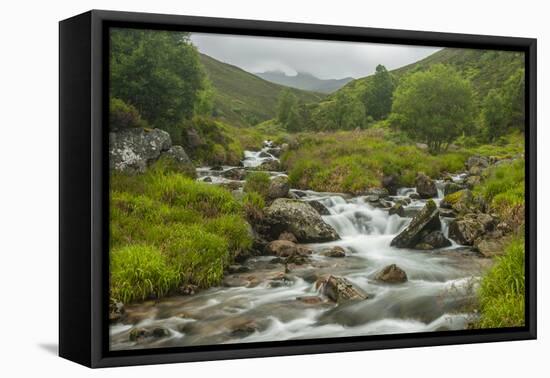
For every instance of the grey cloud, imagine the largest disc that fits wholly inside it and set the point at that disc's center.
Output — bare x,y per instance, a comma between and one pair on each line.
324,59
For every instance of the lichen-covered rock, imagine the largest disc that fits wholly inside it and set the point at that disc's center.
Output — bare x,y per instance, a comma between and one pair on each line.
423,222
451,187
476,164
391,274
178,161
131,150
463,202
468,228
278,187
288,236
425,186
299,218
339,289
268,165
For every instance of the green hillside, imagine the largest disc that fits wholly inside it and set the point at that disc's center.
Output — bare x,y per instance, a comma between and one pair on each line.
242,98
486,69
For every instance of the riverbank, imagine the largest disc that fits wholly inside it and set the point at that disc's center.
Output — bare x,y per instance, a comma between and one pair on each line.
284,287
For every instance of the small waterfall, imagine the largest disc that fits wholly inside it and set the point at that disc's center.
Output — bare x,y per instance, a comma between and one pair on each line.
255,158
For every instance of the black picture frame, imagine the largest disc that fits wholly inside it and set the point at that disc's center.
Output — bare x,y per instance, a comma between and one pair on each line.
84,197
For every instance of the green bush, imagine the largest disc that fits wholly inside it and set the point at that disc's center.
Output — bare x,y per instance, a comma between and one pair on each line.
123,115
139,272
502,290
257,182
253,204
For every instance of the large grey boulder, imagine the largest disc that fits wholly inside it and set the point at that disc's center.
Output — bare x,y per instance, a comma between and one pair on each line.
391,274
467,229
425,186
476,164
463,201
131,150
300,219
278,187
424,222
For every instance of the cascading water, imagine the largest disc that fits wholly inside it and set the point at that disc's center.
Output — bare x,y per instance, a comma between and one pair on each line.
263,304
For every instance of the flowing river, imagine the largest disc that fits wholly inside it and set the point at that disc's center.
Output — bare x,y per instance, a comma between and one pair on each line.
262,303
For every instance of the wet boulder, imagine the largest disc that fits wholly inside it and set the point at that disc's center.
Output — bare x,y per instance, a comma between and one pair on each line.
286,248
391,184
131,150
423,222
335,251
319,207
377,193
339,289
434,240
275,151
391,274
288,236
425,186
299,218
234,174
466,229
278,187
269,165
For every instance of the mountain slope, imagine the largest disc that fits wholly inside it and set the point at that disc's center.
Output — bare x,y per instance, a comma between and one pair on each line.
486,69
305,81
243,98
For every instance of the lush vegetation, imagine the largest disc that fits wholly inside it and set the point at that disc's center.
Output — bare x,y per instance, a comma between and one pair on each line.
502,290
168,230
244,99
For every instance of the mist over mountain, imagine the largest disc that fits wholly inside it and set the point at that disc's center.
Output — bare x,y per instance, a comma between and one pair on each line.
304,81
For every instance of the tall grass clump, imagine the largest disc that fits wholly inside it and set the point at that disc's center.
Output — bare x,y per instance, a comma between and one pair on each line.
139,272
180,225
257,182
502,291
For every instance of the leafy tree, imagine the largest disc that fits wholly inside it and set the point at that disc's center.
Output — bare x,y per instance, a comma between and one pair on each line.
343,112
378,94
434,106
513,93
285,105
157,72
494,115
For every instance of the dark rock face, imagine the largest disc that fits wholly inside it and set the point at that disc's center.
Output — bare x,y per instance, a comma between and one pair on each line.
278,187
391,184
234,174
434,240
335,251
467,229
319,207
299,218
275,151
391,274
425,221
131,150
339,289
425,186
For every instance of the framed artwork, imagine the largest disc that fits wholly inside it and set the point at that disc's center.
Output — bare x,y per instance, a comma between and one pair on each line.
234,188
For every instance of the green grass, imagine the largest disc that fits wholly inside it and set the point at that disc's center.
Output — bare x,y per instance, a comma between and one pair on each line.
257,182
244,99
502,291
180,225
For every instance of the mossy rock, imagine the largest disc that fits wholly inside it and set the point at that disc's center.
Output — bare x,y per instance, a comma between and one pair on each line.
463,202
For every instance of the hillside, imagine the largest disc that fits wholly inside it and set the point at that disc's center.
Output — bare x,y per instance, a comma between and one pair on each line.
305,81
242,98
486,69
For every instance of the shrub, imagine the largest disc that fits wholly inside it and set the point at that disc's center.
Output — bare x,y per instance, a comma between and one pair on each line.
123,115
140,271
253,204
502,291
257,182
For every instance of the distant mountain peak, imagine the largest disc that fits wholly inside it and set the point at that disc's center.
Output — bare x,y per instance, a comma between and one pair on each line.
304,80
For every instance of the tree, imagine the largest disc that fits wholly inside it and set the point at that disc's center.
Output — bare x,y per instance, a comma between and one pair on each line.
379,93
434,106
157,72
286,102
513,94
494,115
342,112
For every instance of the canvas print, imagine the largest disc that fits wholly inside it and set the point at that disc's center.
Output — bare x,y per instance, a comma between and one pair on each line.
266,189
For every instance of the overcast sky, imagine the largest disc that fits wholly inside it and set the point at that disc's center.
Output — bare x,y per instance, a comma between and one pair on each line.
324,59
